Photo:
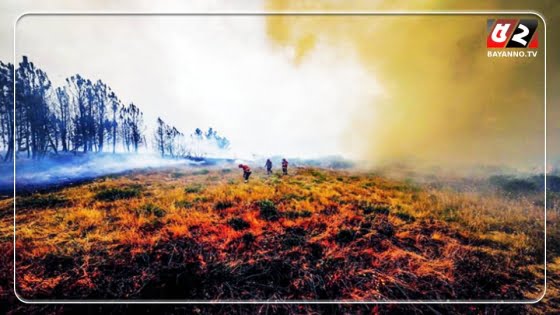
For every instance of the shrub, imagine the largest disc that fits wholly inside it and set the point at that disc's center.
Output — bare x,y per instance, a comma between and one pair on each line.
518,186
248,238
183,204
41,202
316,250
194,188
238,224
201,172
294,236
150,208
112,194
223,204
294,214
268,210
369,208
345,236
292,196
384,227
319,177
368,185
200,199
177,175
330,209
405,216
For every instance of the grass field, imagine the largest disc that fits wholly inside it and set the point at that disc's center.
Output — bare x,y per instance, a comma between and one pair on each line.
317,234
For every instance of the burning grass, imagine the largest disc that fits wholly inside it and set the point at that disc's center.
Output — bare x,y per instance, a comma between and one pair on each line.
316,234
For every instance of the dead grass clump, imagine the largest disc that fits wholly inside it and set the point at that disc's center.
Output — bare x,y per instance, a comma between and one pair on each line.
450,214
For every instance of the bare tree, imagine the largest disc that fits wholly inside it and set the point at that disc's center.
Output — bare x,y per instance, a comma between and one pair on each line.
32,88
159,136
132,126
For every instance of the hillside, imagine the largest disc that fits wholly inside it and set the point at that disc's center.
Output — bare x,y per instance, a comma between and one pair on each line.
317,234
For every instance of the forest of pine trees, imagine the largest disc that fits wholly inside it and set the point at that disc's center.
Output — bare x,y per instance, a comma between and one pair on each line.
82,116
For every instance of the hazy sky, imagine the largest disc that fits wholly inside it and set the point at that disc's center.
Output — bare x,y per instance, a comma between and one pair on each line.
215,71
372,88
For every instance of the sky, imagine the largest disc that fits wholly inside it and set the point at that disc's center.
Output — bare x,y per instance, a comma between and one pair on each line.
369,88
220,72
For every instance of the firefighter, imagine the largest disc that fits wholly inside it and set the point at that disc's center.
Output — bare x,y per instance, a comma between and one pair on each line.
268,166
284,167
246,171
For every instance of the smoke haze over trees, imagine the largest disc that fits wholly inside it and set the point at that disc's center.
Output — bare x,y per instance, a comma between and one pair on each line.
171,142
82,116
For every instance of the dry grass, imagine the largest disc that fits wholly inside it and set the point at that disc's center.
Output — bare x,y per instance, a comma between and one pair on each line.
316,234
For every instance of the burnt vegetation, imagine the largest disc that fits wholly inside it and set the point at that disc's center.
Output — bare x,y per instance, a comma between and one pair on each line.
347,236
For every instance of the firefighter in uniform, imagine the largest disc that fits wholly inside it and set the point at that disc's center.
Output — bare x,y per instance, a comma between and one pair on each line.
268,166
246,171
284,167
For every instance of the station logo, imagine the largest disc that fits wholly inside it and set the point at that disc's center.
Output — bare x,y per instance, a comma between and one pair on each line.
512,33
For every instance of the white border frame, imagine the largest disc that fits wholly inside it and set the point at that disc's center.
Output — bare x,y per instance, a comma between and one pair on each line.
286,13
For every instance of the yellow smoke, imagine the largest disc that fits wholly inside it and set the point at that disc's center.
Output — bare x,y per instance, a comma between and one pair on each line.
445,100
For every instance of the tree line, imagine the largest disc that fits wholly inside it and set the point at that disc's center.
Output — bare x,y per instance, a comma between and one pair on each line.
80,116
170,142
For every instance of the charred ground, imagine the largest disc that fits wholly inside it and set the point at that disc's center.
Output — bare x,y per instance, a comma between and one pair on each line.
318,234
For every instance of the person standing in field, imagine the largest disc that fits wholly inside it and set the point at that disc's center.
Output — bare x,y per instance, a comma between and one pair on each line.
246,172
284,167
268,166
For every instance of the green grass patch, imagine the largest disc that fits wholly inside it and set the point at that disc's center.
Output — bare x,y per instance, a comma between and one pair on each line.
112,194
201,172
41,202
375,208
183,204
268,210
194,188
406,217
176,175
294,214
199,199
149,209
